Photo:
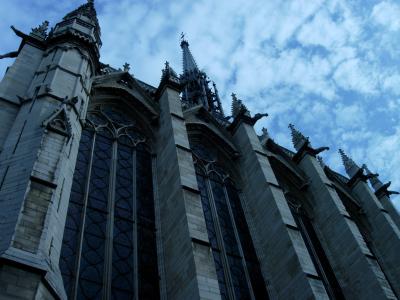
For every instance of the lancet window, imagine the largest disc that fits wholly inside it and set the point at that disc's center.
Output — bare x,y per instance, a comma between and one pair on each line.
109,244
291,185
315,248
237,266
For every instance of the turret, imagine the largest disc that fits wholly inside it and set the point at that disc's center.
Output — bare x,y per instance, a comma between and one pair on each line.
47,90
80,24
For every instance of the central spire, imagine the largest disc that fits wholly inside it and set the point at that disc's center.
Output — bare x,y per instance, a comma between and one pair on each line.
196,89
189,64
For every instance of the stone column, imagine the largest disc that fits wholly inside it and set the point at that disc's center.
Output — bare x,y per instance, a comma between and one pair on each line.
284,257
14,85
383,195
189,265
384,233
347,251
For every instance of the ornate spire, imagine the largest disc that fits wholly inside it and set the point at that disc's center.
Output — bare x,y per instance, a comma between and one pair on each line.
195,85
87,10
349,165
236,105
126,67
189,64
298,139
169,76
168,71
217,99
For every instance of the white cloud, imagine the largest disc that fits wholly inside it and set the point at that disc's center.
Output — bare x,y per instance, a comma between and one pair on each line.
322,65
350,116
357,75
387,13
392,83
322,31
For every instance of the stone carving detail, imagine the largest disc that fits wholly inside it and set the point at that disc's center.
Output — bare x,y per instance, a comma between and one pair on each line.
126,67
41,30
237,106
59,120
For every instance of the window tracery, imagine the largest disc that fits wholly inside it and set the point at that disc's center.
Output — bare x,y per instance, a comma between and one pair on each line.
109,243
237,267
302,216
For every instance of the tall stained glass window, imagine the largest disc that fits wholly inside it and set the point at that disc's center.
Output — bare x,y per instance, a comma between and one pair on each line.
109,245
237,266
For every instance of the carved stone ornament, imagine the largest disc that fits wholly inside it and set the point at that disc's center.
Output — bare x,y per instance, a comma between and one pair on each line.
59,121
41,30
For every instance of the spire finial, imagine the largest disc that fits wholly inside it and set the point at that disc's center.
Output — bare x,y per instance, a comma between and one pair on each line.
189,64
126,67
236,105
349,164
265,135
169,74
298,139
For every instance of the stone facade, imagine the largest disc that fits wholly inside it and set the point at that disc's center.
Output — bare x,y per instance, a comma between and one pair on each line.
290,228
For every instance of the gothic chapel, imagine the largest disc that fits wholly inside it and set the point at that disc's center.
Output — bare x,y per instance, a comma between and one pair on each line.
111,188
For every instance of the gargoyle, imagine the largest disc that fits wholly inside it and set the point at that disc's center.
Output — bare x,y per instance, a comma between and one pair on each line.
319,150
258,117
9,55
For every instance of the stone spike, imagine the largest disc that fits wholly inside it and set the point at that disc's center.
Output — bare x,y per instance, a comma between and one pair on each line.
169,74
236,105
350,166
87,10
375,182
298,139
189,63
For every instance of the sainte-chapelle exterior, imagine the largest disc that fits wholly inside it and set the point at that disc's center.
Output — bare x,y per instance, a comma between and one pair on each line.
111,188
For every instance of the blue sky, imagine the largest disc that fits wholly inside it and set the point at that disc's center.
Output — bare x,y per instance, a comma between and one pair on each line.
329,67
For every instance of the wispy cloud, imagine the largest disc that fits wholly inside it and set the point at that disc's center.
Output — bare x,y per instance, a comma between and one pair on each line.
330,67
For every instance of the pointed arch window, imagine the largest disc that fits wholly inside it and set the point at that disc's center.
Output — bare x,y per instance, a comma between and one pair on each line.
109,243
314,247
237,266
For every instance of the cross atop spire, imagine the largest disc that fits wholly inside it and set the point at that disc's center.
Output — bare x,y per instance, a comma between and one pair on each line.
350,166
189,64
298,139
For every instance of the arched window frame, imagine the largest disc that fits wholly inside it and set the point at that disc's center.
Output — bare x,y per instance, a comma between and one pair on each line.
122,132
302,212
210,169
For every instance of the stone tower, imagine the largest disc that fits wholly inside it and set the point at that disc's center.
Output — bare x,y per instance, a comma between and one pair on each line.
111,188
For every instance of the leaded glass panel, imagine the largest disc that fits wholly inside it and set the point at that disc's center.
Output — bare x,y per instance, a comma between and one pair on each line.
109,245
237,267
74,216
